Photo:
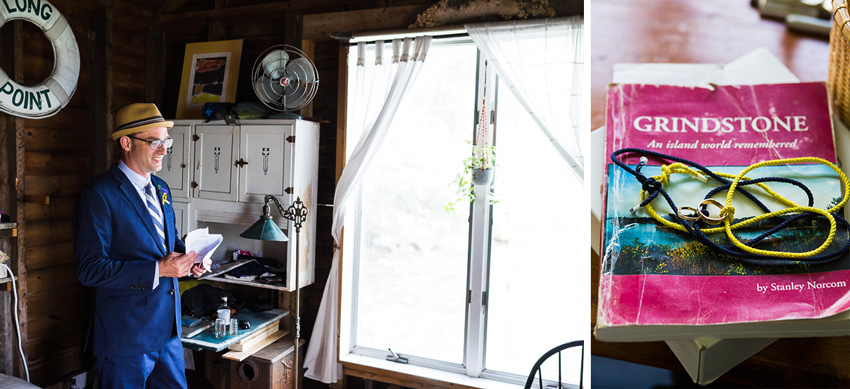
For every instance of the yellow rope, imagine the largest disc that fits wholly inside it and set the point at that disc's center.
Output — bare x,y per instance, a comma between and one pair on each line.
729,211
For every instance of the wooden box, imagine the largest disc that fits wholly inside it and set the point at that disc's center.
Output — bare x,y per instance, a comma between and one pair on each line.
270,367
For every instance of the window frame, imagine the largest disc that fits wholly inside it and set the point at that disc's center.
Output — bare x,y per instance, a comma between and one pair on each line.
478,258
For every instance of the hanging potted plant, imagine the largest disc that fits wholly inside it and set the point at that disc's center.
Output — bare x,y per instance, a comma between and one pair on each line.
481,164
483,155
479,168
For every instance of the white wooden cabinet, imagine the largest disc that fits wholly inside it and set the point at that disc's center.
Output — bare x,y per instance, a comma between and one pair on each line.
264,151
176,166
244,163
220,173
183,216
216,148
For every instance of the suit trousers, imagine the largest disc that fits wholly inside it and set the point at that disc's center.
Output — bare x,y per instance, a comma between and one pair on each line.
160,369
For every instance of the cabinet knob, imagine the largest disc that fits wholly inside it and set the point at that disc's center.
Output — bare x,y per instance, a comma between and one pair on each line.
241,162
288,190
182,165
196,137
194,184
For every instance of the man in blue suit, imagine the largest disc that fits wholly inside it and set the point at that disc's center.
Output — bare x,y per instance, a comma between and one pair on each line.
128,250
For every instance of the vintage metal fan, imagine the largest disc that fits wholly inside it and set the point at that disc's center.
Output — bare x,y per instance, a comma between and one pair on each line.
285,79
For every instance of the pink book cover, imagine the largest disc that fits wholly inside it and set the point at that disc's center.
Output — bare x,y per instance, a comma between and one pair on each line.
654,275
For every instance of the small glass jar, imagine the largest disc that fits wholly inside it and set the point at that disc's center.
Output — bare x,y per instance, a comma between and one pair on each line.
220,328
234,326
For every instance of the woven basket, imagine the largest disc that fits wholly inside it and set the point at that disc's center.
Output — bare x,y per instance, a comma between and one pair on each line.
839,60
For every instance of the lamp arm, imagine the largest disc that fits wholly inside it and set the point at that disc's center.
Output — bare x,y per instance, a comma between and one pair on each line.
277,203
296,212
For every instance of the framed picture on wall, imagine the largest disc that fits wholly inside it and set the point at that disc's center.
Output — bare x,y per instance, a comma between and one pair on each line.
210,74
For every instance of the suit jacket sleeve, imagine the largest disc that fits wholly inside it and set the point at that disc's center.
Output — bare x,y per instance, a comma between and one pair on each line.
97,265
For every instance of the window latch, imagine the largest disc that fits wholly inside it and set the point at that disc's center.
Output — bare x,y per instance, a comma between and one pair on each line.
393,357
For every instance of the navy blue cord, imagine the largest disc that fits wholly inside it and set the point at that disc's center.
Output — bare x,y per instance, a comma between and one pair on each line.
653,188
650,185
766,179
775,229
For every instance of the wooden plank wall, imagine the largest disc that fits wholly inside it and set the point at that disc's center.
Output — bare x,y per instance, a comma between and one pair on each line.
53,154
61,154
11,169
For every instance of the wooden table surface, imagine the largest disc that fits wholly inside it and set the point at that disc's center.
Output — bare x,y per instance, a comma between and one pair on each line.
638,31
259,320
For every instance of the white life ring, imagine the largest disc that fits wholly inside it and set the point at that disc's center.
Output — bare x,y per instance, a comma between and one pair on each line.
54,93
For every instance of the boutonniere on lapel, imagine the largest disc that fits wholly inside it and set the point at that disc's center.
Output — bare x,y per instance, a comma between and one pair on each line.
164,192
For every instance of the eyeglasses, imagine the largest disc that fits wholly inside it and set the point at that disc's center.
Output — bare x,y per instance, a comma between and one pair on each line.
156,143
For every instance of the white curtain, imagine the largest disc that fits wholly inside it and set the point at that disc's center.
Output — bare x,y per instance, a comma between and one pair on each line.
380,88
541,61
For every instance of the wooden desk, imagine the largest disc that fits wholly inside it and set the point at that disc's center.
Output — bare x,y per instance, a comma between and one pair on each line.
635,31
207,341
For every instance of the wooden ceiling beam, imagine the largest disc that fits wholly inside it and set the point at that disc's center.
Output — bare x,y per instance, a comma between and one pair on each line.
272,10
254,11
169,6
319,26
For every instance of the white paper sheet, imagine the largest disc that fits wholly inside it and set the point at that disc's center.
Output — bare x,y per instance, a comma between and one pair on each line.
204,244
759,66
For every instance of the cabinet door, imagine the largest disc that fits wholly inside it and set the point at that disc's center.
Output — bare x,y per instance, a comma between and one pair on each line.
215,152
175,166
269,157
181,217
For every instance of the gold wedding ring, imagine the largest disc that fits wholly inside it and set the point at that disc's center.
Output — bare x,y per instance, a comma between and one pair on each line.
712,220
692,217
696,214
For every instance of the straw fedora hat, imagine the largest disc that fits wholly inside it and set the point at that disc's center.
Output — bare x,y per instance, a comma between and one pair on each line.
137,118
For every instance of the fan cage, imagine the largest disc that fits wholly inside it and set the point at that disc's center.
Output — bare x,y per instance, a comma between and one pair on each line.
303,78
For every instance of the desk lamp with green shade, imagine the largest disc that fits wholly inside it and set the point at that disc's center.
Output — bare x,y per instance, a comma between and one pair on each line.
266,229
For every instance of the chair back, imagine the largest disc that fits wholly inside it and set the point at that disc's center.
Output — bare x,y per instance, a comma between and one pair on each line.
536,370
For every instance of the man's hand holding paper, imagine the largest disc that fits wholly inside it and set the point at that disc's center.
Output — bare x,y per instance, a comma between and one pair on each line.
204,244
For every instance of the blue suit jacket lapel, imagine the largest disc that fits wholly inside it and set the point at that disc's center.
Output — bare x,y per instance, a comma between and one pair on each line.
141,208
167,213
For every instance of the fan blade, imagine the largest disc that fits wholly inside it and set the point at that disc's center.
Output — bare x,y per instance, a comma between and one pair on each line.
268,90
274,63
290,90
302,70
296,101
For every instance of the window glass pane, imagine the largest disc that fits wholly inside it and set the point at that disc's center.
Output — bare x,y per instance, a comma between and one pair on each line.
539,260
413,261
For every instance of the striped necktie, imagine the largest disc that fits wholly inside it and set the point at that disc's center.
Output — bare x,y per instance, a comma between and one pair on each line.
156,214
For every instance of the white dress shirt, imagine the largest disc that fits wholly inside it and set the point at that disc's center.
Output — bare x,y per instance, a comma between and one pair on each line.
140,182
